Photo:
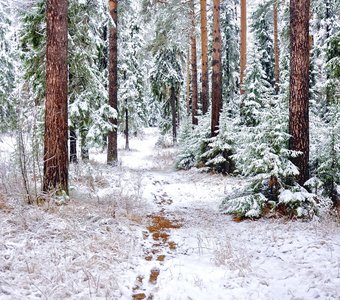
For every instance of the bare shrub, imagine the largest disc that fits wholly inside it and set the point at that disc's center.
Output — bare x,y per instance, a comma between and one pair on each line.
164,158
236,259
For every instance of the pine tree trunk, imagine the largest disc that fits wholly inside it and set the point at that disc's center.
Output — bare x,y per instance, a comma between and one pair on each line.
243,45
188,83
194,66
173,113
73,146
216,82
127,147
204,46
329,91
112,147
56,115
299,85
276,49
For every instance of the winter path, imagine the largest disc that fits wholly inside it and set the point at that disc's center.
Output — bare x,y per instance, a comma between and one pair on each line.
190,251
146,231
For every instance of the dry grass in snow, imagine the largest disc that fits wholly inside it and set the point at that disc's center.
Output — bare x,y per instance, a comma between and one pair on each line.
142,229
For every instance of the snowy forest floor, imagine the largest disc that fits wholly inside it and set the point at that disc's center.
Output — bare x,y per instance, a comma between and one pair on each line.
143,230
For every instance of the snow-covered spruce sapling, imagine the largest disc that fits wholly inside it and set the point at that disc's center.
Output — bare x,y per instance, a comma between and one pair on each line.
188,146
193,143
248,206
262,152
218,150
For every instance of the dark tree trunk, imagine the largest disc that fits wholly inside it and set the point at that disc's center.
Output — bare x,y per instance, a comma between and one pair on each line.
194,95
329,91
73,145
243,45
216,82
276,49
85,155
188,100
112,147
204,46
104,54
127,147
173,113
299,85
56,115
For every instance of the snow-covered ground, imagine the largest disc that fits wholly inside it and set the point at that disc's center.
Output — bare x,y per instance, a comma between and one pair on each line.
142,230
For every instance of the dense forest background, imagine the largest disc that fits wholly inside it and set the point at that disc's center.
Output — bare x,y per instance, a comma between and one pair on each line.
167,76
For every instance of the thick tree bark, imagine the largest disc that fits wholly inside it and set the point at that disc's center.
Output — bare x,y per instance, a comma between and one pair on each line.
204,46
243,45
173,113
73,145
56,118
194,94
299,85
112,147
276,49
216,82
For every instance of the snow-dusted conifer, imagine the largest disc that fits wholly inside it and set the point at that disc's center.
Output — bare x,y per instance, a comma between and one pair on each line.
89,111
230,54
262,28
256,91
168,48
193,142
217,151
131,79
7,75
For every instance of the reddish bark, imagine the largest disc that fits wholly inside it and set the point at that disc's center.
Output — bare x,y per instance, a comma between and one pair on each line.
299,86
194,95
56,115
112,147
216,82
204,46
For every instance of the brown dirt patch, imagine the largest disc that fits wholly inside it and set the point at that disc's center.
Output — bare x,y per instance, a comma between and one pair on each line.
161,258
160,223
159,232
160,236
172,245
139,296
154,273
